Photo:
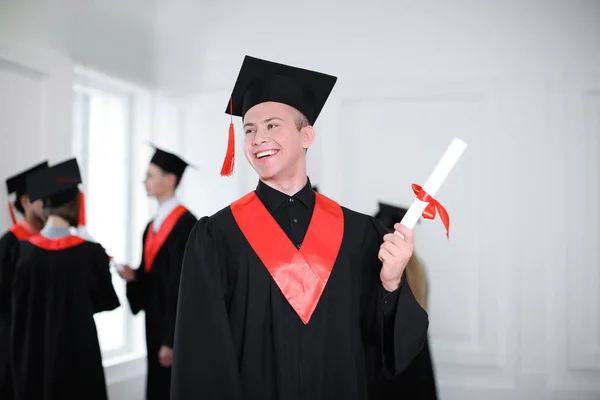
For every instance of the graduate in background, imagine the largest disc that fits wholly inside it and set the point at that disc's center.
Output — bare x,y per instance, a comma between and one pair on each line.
31,223
60,282
154,286
283,290
418,380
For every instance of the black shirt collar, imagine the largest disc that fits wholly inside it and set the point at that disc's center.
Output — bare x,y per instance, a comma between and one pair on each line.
273,198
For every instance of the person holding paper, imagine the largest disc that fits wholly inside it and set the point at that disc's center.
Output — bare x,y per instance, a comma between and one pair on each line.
283,291
29,225
60,282
418,380
154,286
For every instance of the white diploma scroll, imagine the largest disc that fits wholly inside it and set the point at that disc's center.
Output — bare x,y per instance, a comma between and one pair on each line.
437,177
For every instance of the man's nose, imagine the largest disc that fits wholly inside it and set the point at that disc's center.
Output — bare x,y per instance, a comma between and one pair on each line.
260,137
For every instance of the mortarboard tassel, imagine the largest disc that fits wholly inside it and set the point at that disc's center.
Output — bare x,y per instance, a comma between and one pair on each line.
12,213
81,210
229,162
82,231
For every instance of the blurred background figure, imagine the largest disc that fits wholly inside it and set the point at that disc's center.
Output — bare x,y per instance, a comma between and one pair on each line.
418,380
60,282
29,225
154,286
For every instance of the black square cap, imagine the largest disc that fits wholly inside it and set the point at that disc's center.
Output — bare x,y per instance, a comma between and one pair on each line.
18,183
56,185
389,214
168,162
261,81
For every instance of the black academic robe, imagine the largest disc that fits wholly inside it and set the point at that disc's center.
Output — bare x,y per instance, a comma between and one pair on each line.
8,250
55,354
416,382
238,338
155,293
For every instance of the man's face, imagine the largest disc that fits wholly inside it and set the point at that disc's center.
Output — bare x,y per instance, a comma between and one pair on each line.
158,182
273,144
34,209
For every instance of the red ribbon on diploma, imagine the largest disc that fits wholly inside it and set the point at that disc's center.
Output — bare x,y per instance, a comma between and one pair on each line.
432,206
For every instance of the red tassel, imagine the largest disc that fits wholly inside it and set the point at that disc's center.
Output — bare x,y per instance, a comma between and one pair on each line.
81,210
229,162
12,213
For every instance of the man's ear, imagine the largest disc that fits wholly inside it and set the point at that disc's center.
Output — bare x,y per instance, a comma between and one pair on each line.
172,180
308,136
24,200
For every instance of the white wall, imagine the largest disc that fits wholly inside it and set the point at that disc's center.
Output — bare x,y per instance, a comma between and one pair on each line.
514,293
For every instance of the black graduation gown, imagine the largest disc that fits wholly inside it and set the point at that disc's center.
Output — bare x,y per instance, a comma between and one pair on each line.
237,337
8,251
416,382
156,294
55,353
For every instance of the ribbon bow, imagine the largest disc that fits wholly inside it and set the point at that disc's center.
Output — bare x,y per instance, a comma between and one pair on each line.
432,206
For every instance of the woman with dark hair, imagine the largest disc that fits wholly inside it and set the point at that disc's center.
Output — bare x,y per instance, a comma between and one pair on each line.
60,282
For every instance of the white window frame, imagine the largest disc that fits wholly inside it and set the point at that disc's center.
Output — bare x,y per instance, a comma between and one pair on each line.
140,101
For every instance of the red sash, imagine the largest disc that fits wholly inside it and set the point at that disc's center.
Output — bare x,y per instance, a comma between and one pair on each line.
154,241
20,232
56,244
300,274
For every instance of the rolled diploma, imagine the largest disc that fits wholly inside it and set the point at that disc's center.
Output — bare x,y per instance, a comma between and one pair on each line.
437,177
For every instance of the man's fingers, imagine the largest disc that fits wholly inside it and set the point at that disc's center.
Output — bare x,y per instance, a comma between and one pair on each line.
384,255
404,231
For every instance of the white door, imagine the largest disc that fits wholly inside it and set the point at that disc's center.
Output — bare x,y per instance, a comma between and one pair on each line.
35,104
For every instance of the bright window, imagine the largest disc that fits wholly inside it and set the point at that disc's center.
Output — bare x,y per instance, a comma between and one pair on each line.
103,120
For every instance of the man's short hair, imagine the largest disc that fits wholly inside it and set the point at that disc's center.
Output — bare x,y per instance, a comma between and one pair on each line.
18,205
301,121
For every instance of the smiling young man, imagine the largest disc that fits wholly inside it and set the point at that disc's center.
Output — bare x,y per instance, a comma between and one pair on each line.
284,291
154,285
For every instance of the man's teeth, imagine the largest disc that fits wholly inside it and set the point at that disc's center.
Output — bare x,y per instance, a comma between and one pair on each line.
265,153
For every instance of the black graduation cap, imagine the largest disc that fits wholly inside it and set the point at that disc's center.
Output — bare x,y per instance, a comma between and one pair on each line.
168,162
260,81
389,214
56,185
18,183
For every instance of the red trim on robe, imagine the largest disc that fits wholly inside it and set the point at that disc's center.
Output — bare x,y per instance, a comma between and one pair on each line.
19,231
301,275
155,240
56,244
22,230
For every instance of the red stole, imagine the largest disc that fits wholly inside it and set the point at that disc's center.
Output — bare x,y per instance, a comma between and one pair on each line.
22,230
154,240
300,274
56,244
